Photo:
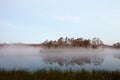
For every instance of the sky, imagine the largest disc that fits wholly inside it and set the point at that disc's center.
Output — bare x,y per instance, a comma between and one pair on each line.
34,21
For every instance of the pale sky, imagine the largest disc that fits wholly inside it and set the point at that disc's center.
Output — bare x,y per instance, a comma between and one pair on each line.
33,21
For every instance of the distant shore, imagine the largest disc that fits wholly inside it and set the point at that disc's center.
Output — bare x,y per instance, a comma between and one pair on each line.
68,43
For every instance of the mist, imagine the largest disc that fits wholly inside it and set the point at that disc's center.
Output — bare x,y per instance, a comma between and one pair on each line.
33,58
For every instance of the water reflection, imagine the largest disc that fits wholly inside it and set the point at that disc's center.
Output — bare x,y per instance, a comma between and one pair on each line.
72,60
117,56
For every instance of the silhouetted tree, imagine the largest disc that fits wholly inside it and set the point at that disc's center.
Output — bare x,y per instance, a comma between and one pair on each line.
116,45
96,42
60,41
86,43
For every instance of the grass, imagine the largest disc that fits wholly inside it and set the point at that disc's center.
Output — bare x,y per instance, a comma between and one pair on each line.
58,75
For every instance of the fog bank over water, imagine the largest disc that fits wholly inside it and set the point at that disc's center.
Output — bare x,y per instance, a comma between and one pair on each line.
33,58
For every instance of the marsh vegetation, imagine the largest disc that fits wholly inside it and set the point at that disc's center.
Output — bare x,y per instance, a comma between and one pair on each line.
54,74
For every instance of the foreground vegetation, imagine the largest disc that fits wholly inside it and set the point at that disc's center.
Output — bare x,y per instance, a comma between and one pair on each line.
58,75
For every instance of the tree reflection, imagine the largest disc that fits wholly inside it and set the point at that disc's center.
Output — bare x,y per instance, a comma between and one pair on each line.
117,56
95,60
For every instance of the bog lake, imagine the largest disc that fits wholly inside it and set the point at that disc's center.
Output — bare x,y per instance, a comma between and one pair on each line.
34,58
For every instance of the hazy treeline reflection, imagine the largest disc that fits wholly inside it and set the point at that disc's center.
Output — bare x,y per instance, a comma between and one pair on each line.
73,60
72,56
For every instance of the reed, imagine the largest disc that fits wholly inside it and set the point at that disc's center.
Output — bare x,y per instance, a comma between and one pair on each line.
58,75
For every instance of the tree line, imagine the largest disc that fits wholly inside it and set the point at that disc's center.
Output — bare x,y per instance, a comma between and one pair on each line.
73,42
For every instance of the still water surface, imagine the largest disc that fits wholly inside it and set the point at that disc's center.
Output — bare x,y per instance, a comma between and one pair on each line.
33,58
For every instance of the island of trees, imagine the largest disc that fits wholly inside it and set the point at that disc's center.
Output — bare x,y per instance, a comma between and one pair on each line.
73,42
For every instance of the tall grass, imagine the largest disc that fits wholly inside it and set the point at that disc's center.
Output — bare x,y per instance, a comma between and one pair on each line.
58,75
